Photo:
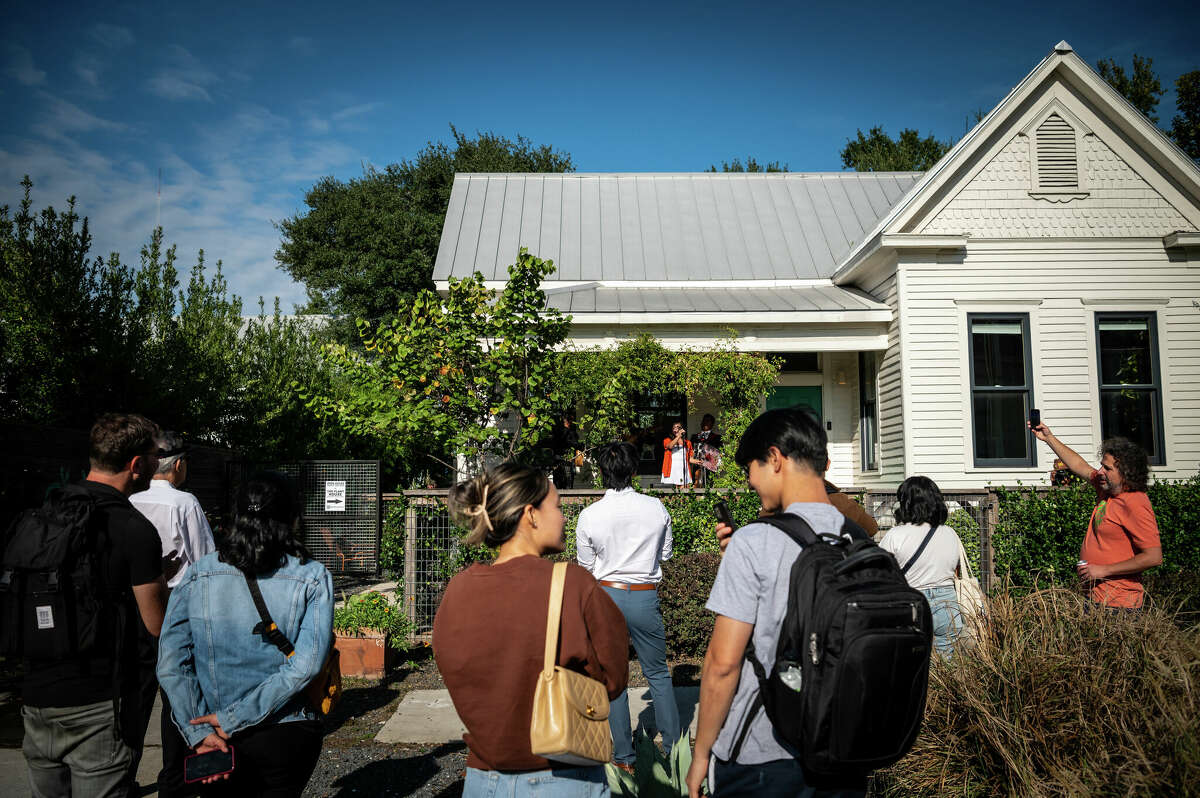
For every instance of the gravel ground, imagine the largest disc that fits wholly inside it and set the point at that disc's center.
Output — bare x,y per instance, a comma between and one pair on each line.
352,764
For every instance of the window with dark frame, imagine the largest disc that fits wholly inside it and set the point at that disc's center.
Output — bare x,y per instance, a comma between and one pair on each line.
1130,384
1001,389
868,413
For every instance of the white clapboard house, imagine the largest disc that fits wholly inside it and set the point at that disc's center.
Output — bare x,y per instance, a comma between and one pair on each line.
1051,259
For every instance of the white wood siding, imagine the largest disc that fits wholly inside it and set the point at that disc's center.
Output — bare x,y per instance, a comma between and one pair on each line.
1061,285
891,471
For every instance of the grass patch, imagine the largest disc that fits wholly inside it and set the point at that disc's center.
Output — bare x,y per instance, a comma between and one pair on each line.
1061,698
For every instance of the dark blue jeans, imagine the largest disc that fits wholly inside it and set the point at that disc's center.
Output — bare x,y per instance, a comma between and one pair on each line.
642,616
781,778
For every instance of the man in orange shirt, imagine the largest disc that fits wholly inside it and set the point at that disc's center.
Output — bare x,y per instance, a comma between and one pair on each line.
1122,536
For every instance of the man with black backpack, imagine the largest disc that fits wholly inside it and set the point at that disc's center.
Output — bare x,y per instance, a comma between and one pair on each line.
817,667
77,575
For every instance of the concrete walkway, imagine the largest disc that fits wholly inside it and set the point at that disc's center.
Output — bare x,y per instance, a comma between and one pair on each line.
14,775
428,716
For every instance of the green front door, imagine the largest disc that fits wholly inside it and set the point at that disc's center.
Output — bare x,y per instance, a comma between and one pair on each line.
807,397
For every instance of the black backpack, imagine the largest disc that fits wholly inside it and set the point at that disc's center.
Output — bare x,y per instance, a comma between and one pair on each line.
847,688
54,600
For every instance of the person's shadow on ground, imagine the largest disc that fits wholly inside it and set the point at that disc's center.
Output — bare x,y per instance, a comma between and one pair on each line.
403,776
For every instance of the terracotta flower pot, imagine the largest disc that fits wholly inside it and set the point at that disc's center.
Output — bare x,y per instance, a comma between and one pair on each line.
365,655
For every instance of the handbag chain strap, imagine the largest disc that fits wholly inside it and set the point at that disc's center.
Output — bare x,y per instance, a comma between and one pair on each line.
553,614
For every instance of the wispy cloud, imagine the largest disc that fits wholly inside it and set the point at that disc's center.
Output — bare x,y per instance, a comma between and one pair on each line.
87,67
59,119
21,67
355,110
113,37
303,45
185,78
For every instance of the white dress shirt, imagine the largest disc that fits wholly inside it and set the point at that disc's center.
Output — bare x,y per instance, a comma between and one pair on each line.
624,538
180,522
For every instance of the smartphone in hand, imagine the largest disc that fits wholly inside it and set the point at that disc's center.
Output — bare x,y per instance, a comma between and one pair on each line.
723,515
198,767
1035,418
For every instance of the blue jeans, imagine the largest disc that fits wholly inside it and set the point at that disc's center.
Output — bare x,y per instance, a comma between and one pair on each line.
947,618
781,778
75,751
642,616
568,782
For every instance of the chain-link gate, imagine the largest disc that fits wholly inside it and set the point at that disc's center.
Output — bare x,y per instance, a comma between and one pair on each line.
341,510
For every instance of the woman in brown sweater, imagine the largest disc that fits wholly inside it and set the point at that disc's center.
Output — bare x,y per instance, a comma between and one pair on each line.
489,633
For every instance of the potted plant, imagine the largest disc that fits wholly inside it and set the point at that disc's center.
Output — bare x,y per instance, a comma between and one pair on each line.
369,629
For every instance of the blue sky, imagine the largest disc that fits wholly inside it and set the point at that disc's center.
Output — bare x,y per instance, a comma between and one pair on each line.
243,107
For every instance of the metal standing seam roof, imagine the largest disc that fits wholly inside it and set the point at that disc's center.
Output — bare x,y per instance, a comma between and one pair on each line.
664,226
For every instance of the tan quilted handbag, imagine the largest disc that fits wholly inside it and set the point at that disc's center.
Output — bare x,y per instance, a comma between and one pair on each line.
971,599
570,711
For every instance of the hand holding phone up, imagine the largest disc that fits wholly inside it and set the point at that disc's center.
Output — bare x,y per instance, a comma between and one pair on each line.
725,525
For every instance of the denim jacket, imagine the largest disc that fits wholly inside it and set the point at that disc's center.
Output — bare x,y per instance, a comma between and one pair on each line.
210,659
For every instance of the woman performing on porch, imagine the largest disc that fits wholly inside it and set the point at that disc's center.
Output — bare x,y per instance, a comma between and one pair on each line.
677,457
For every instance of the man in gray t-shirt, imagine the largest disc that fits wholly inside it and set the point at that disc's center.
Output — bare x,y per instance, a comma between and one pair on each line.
784,453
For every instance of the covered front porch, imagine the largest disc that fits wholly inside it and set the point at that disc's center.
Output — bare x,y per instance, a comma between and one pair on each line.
829,340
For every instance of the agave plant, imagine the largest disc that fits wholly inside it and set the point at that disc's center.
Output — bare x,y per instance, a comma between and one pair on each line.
655,774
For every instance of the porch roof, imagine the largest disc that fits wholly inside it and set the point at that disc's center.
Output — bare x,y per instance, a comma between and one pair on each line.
597,303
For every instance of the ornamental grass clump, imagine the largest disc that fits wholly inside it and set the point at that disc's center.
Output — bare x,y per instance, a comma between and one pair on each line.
1060,698
374,612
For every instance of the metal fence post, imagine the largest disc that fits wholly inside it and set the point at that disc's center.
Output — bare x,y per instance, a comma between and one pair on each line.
987,577
410,561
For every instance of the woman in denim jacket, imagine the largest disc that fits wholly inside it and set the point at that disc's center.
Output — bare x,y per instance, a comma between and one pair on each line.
921,513
227,685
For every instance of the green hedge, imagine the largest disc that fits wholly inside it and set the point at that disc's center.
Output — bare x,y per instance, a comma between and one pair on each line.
1038,534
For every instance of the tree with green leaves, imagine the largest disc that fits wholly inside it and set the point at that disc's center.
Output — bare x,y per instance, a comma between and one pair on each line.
1185,126
879,152
367,245
81,336
466,374
1141,87
751,165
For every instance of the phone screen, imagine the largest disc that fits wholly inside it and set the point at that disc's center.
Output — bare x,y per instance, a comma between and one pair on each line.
1035,417
213,763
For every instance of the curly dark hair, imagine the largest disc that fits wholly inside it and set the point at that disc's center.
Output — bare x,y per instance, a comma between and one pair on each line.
1131,462
261,536
919,501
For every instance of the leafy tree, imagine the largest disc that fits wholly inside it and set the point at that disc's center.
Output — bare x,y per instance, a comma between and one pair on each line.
879,152
470,373
1185,126
1142,88
751,165
366,246
82,336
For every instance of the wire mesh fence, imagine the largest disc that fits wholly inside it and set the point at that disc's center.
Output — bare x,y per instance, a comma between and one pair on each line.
340,506
434,550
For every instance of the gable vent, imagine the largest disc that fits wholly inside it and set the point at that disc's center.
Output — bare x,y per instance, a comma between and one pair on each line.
1057,164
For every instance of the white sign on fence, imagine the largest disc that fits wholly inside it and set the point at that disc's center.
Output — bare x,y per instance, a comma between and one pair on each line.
335,496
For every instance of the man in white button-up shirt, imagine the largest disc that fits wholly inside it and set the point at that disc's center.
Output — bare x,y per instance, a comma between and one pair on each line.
186,535
623,540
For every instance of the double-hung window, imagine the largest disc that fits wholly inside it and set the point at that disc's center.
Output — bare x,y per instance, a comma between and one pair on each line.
1001,389
868,404
1130,384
